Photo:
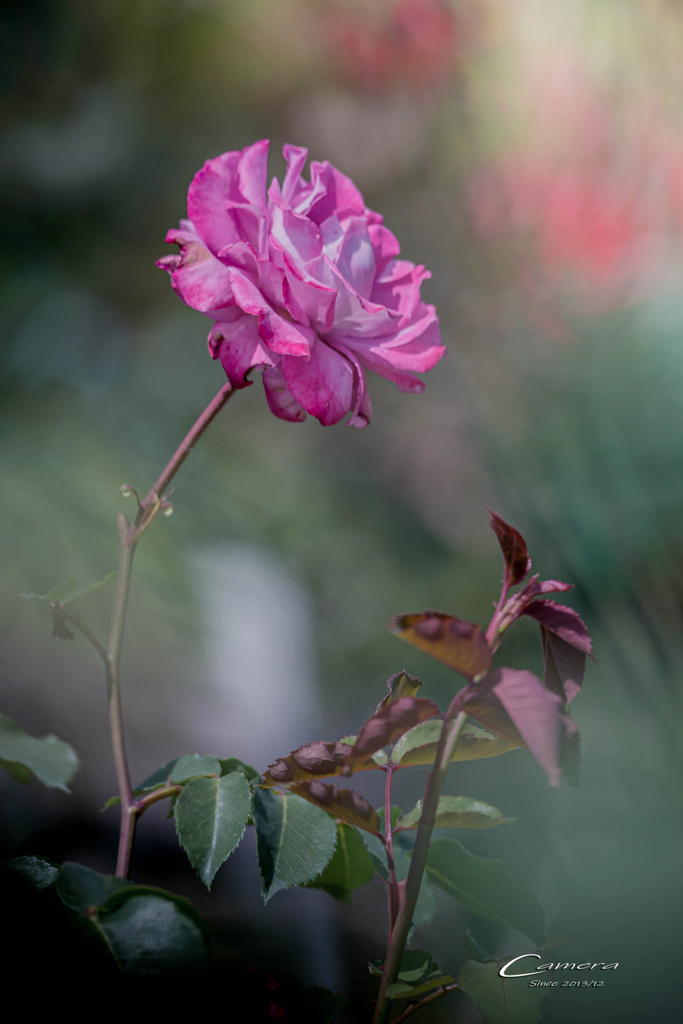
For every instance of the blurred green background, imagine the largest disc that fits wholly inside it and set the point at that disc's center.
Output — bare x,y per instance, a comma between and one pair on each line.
531,156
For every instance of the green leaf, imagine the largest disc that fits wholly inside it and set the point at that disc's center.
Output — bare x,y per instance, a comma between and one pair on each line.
41,873
418,746
211,815
190,766
418,974
79,887
473,949
295,839
233,764
49,759
149,931
457,812
500,1000
18,772
72,588
486,887
349,868
389,723
401,685
158,778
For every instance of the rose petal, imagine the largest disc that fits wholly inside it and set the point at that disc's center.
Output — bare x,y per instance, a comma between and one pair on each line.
384,244
296,234
252,171
284,336
279,397
196,275
296,157
356,260
361,412
341,195
323,384
213,186
398,287
316,301
239,348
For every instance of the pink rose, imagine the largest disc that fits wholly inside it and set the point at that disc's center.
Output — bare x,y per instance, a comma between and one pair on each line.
303,283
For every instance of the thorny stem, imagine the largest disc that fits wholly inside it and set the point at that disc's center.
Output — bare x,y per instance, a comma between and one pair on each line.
129,537
392,889
450,734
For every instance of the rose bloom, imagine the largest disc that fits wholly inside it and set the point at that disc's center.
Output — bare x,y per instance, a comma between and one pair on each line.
302,282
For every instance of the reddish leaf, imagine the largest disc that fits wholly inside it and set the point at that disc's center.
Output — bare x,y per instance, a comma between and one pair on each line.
400,685
340,803
480,703
389,723
460,645
537,714
513,546
564,666
536,587
563,621
312,761
516,704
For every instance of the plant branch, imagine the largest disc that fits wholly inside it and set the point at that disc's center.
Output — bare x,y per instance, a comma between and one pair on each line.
492,629
450,734
78,623
129,537
414,1007
184,449
157,794
393,890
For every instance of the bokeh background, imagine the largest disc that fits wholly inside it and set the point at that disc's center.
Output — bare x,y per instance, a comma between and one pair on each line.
529,154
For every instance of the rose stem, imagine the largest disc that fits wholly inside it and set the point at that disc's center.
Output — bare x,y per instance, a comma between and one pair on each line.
450,734
389,842
129,537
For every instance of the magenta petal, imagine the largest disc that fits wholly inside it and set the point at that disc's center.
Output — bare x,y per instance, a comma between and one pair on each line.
356,260
212,187
252,171
341,195
280,335
249,222
239,348
198,277
296,159
385,245
316,301
398,287
361,412
376,361
296,234
271,279
279,397
415,352
284,336
323,384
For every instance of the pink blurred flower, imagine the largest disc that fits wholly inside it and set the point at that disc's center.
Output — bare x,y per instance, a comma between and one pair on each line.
407,42
302,282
